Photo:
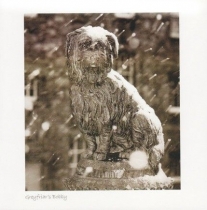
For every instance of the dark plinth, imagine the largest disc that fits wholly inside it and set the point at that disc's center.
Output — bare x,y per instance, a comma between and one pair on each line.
101,175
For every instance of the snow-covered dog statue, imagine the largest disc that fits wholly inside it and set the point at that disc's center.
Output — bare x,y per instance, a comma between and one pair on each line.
109,110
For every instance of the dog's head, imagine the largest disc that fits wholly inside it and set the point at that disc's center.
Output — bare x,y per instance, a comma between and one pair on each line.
90,52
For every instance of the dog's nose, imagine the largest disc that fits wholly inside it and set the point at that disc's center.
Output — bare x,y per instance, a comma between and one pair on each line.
92,58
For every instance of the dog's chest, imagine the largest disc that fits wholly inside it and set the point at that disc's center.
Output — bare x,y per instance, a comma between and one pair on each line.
90,108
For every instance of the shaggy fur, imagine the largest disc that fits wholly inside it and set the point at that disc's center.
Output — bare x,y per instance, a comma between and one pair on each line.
109,111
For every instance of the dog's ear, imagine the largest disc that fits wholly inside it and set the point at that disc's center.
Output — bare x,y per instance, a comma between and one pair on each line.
114,44
70,41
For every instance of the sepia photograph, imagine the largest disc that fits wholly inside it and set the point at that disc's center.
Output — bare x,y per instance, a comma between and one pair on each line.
102,101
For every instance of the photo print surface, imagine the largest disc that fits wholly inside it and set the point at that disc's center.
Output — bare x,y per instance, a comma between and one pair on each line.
102,101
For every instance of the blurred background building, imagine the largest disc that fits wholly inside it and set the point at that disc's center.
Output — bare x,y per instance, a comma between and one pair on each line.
148,58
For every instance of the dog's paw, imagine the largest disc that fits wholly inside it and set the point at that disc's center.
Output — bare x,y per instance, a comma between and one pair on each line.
125,154
99,156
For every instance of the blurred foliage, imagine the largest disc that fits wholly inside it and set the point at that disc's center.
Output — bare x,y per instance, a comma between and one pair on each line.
145,38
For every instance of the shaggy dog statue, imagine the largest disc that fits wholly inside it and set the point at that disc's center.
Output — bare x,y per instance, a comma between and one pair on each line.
109,110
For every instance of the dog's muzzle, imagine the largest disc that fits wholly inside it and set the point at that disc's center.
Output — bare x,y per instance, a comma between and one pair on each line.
93,74
94,66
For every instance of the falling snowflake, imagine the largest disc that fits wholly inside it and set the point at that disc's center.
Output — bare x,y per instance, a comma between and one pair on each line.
138,160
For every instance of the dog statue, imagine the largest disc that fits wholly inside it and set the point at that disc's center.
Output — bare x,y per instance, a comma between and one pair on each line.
109,110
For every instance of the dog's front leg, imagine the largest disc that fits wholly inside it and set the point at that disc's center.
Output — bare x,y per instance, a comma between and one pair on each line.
91,147
103,147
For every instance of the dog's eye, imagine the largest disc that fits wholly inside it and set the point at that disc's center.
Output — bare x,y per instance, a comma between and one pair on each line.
84,45
100,45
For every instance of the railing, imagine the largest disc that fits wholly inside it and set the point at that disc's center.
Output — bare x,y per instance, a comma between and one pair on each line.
78,147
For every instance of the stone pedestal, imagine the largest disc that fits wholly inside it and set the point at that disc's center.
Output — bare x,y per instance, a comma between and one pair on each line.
106,175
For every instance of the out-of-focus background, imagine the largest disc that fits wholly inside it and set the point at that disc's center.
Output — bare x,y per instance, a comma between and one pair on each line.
148,58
